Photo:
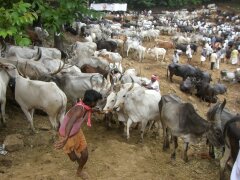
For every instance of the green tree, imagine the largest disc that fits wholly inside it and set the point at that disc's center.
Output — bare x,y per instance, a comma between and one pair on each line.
14,19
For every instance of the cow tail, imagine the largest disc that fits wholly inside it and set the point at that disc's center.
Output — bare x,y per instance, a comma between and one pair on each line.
226,129
167,72
62,109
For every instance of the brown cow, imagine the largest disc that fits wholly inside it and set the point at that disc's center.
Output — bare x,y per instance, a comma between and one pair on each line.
34,37
165,44
86,68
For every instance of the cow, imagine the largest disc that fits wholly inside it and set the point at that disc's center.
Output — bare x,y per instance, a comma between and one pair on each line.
4,79
188,85
183,121
206,92
110,102
165,44
139,104
37,35
219,88
75,86
32,94
86,68
230,76
108,45
231,135
157,52
183,47
212,114
185,70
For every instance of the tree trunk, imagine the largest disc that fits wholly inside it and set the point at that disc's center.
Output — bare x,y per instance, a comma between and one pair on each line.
58,43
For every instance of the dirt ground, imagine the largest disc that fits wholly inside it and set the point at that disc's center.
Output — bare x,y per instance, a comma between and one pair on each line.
111,157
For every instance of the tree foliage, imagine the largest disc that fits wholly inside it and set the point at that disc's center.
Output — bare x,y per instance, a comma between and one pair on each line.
14,20
15,15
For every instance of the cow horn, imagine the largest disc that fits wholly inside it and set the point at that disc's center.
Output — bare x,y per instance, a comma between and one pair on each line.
219,111
38,55
129,89
59,69
4,46
23,74
103,81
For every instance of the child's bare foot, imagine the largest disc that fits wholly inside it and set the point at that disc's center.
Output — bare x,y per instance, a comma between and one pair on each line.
83,175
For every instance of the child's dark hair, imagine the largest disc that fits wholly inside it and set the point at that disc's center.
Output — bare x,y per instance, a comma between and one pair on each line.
91,96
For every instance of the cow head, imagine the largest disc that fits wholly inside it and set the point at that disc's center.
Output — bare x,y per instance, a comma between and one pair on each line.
122,95
215,135
111,100
10,69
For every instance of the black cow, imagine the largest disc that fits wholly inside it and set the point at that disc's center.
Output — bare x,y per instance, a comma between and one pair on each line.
219,88
188,85
206,92
186,28
70,29
185,70
183,121
183,47
108,45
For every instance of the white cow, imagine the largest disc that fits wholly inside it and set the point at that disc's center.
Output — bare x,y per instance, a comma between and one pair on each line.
140,105
20,52
157,52
4,79
75,86
32,94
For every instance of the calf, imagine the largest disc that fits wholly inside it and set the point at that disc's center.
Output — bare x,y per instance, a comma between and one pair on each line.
183,121
157,52
108,45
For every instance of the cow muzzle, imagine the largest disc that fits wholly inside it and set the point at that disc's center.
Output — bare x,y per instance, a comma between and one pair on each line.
117,108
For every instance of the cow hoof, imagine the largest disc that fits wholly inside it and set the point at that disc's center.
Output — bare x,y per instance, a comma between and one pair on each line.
34,131
173,156
140,141
4,125
164,148
212,155
185,159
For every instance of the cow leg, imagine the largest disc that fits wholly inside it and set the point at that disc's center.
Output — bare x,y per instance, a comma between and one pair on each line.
53,121
144,123
127,51
165,137
29,118
185,157
3,105
171,77
223,162
129,123
211,151
32,112
175,140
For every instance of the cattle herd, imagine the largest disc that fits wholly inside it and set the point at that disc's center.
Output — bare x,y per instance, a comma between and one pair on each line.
42,79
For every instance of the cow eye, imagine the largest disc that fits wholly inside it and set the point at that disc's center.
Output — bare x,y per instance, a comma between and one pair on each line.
124,96
112,101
